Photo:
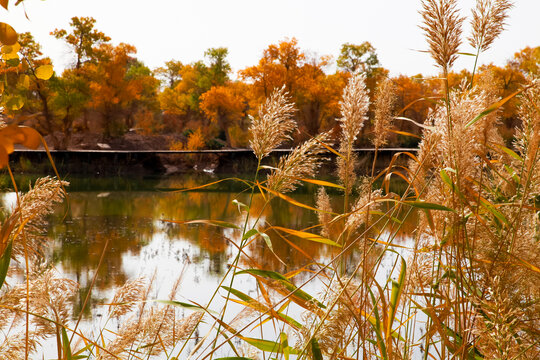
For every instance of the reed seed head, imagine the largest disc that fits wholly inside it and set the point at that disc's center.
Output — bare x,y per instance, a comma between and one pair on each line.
354,108
385,101
488,21
302,162
442,27
273,125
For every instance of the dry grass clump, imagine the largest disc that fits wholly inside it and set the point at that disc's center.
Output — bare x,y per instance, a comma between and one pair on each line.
470,285
49,298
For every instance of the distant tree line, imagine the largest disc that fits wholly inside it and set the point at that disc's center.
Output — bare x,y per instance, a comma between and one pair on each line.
108,91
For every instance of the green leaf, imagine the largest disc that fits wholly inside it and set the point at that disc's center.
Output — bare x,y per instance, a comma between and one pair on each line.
266,239
446,178
377,327
240,205
288,285
180,304
250,233
264,273
397,290
510,152
260,307
4,263
44,72
13,61
316,349
270,346
284,344
65,343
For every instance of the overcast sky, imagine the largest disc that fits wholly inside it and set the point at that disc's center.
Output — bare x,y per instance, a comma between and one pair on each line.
162,30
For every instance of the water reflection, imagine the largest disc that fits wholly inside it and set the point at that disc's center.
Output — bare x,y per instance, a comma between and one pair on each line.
126,219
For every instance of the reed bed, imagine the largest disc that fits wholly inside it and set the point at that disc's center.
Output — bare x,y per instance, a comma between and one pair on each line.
465,284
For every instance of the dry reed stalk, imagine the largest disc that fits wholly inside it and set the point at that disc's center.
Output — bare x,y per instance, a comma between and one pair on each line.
302,162
385,101
364,204
324,215
354,109
442,27
527,139
273,125
34,206
49,298
488,22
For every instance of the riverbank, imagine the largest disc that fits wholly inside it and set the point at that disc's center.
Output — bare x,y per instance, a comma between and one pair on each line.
165,162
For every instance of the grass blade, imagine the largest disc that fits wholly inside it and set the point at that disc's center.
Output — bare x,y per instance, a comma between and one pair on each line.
4,263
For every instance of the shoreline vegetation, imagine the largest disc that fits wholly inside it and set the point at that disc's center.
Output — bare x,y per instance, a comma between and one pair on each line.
464,285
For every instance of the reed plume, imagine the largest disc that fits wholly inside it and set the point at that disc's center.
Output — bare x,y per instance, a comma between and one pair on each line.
273,125
488,22
354,109
442,27
302,162
385,101
126,296
32,210
324,215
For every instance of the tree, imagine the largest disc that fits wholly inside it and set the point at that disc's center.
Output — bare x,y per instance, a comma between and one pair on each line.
219,67
147,105
169,75
527,60
316,94
72,94
83,39
224,105
112,90
361,58
28,93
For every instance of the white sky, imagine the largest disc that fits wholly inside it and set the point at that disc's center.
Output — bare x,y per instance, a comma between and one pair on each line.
163,30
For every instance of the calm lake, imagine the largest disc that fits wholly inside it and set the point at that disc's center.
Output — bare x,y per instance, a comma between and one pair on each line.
131,220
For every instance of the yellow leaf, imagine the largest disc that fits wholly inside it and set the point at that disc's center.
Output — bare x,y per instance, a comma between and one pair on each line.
44,72
8,36
4,3
307,236
9,56
10,49
24,81
15,103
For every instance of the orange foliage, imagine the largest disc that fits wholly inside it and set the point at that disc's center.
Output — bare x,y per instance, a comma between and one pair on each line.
111,90
224,105
315,93
195,140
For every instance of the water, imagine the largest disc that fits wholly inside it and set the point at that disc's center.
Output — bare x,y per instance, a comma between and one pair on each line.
130,225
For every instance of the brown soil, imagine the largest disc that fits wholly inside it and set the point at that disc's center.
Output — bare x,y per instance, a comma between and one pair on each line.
129,141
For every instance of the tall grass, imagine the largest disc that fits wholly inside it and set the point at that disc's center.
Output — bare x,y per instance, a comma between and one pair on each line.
465,284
